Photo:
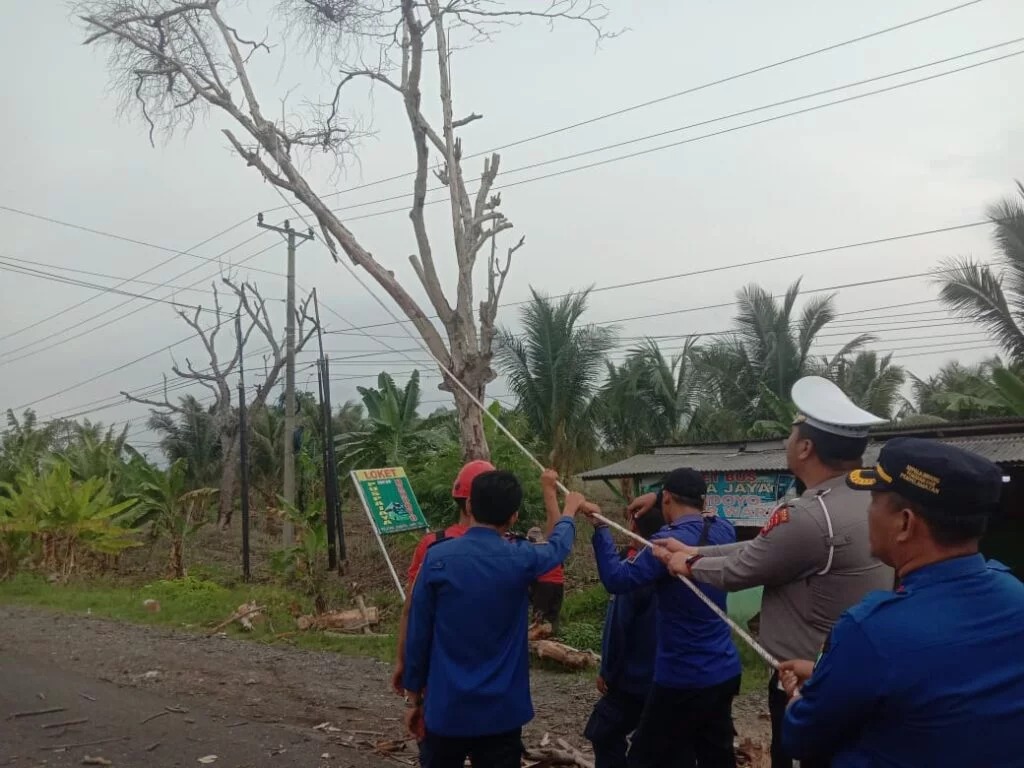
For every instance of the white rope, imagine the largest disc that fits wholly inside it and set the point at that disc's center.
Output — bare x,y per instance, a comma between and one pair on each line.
744,635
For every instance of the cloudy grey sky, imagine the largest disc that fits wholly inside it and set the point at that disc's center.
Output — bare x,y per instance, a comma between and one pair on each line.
927,156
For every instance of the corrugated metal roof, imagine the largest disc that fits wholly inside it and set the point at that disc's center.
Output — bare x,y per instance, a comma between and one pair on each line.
1002,449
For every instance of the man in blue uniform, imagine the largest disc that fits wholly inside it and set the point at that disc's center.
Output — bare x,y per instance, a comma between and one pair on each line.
628,647
688,713
466,646
931,674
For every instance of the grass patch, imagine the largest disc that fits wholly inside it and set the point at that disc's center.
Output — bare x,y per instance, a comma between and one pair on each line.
195,604
199,604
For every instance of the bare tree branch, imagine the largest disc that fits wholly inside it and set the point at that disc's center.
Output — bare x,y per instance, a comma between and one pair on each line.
173,60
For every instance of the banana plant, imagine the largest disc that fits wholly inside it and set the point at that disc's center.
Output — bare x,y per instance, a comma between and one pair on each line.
172,509
61,518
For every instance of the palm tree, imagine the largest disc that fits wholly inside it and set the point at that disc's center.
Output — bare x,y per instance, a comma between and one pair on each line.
554,368
960,392
193,436
872,382
749,374
649,398
394,433
994,299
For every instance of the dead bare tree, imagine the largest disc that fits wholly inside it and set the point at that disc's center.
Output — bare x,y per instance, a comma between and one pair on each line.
216,377
173,59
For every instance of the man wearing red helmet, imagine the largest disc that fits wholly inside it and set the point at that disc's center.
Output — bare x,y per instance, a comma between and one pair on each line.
460,492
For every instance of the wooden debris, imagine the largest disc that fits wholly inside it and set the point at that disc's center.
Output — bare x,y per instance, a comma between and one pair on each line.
752,754
95,761
36,712
244,614
97,742
345,621
539,631
564,654
563,754
65,723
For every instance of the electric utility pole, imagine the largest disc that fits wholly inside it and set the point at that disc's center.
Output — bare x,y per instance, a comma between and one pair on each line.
291,237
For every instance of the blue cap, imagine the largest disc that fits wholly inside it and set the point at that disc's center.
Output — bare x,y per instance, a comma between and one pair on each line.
933,474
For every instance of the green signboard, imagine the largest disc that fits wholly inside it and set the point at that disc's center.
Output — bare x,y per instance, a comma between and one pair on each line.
389,501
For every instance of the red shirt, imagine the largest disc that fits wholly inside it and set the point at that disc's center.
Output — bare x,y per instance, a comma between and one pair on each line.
451,532
555,576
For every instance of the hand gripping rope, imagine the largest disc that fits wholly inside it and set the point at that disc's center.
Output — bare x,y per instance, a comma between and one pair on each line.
744,635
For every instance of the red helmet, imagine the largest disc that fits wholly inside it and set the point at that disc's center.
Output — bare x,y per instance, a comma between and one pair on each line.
464,480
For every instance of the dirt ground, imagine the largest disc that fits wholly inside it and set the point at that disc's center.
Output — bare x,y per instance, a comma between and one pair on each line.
247,703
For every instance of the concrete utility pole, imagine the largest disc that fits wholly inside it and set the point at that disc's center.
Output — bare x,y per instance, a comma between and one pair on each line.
291,237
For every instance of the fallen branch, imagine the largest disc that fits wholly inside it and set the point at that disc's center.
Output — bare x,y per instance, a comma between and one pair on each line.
35,712
565,655
242,612
79,745
66,723
348,621
564,754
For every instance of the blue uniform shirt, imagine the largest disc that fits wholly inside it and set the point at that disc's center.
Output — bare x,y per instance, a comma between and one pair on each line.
466,641
930,675
695,648
629,641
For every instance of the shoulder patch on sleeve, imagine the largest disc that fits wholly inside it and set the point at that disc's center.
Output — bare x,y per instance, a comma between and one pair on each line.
779,517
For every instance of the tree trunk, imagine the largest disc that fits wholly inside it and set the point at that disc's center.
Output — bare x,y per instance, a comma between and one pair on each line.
228,481
177,558
471,424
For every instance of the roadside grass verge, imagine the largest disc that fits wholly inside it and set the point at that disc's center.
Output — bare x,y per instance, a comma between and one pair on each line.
199,604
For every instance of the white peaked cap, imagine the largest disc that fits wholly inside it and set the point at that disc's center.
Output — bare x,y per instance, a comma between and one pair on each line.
824,406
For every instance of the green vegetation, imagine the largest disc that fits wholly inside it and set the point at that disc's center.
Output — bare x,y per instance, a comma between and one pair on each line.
76,498
192,604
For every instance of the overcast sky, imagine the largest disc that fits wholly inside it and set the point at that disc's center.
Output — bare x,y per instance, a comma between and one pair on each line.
927,156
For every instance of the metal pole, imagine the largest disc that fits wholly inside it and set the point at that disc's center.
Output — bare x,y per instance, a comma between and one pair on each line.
332,467
288,532
380,539
243,453
291,236
332,553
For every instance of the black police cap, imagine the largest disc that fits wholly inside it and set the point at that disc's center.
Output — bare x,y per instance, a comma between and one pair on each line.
685,482
933,474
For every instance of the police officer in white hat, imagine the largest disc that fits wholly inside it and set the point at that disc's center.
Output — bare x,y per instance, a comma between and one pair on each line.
812,556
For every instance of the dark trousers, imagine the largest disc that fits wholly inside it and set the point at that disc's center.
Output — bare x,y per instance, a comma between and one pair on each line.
686,727
546,602
777,701
615,716
498,750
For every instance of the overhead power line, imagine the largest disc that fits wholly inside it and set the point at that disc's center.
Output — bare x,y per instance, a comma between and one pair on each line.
7,266
676,94
711,121
146,271
38,350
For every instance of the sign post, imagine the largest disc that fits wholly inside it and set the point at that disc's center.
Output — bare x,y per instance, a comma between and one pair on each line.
390,505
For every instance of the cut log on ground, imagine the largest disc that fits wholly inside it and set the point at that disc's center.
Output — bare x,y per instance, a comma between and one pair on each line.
572,658
341,621
539,631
